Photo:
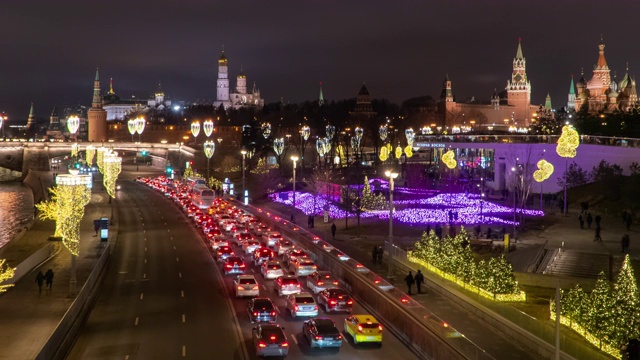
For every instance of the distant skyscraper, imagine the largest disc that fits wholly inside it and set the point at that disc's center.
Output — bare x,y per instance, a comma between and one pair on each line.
97,116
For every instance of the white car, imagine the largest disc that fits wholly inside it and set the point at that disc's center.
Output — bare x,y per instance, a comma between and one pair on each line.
303,266
216,242
246,285
301,304
283,246
249,246
271,269
271,238
321,280
228,225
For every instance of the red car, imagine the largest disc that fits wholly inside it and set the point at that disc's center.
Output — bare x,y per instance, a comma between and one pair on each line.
262,254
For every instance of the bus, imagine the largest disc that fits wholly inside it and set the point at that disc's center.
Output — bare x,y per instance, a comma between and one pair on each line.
202,196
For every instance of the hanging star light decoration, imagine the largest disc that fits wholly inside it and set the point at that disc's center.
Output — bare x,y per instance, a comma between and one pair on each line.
408,150
354,143
74,193
545,169
320,147
195,128
91,153
131,126
112,168
568,142
327,145
266,129
141,122
410,135
73,124
383,132
209,148
306,132
207,127
449,159
278,146
6,273
74,150
384,153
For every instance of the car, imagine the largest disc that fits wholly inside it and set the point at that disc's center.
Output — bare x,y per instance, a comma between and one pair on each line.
301,304
223,253
213,232
270,340
287,284
249,246
335,299
271,269
271,238
237,230
228,224
242,238
283,245
246,285
303,266
234,265
262,254
320,280
290,255
261,229
261,310
363,328
217,242
321,332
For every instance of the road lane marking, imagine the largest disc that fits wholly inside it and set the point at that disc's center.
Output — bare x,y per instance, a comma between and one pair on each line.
293,338
145,261
169,230
145,248
144,231
126,357
264,288
181,293
278,309
184,318
179,274
184,351
177,260
165,223
174,247
144,276
141,296
171,237
136,322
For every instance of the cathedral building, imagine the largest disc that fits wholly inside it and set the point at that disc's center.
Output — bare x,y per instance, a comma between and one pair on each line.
241,97
118,108
507,109
601,94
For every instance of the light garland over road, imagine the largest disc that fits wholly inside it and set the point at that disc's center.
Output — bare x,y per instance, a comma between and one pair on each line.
112,168
74,192
91,153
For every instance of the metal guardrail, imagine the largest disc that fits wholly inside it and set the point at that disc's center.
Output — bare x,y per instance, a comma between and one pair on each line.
414,324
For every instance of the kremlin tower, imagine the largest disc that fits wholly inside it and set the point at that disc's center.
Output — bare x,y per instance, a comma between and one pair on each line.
519,87
97,116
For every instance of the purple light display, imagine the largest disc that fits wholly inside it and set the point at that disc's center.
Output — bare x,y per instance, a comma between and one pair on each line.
434,210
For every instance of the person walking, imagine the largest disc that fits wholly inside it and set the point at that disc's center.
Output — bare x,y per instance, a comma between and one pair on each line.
581,220
625,243
628,221
374,254
598,238
419,278
409,280
40,281
333,230
48,279
589,220
597,220
380,254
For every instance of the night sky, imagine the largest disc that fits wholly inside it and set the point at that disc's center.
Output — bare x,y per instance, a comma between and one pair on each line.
401,49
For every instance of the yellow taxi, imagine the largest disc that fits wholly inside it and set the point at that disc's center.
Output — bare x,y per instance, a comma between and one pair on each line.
363,328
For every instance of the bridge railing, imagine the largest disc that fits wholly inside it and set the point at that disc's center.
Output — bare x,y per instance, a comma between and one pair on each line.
523,138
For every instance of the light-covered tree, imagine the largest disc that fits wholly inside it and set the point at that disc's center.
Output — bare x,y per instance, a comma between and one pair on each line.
48,210
600,311
6,273
371,201
625,303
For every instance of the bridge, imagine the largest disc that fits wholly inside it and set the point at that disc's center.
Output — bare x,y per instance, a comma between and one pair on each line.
24,156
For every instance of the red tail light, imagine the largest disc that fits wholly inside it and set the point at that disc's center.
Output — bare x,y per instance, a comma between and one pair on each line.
360,328
350,302
255,313
318,337
297,285
339,337
255,288
262,344
228,266
332,302
242,265
285,344
273,313
273,337
380,327
297,308
240,288
320,283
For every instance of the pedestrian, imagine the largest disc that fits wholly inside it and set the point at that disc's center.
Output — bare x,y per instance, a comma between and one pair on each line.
597,220
96,227
293,219
374,254
589,220
581,220
629,221
625,242
419,280
40,281
597,238
428,228
48,279
489,233
380,254
333,230
409,280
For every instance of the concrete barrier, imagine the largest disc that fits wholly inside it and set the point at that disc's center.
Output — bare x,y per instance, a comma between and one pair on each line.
427,335
31,262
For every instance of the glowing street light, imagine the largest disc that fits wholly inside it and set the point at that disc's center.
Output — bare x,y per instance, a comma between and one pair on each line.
278,146
391,175
209,149
294,159
207,127
195,129
131,126
266,129
244,155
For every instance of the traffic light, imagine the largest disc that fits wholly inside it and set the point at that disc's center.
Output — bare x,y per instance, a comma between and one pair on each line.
144,152
169,170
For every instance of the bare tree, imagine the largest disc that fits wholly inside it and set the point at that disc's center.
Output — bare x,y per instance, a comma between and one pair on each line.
319,184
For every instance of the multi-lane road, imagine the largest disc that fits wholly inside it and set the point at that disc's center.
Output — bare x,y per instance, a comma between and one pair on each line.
164,297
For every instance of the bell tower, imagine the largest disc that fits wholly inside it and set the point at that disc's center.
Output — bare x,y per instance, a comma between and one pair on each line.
97,116
222,97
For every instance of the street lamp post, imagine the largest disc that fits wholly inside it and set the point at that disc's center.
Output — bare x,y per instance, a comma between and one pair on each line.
244,155
391,175
140,123
295,159
209,148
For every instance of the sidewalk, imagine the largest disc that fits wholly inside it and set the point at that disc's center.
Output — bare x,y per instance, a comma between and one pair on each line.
29,318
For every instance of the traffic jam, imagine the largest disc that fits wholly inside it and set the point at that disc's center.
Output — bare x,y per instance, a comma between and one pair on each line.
284,303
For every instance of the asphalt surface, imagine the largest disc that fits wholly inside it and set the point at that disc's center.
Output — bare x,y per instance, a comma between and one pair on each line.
165,297
161,298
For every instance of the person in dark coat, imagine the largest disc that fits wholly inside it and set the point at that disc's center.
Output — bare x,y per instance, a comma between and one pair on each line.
419,279
489,233
581,220
597,219
333,230
40,281
374,254
380,254
597,238
48,279
589,220
409,280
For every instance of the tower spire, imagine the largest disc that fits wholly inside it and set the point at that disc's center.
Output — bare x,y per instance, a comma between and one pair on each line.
111,86
519,55
321,97
31,118
96,103
572,87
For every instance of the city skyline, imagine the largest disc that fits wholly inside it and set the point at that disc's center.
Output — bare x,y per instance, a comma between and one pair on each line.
51,58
